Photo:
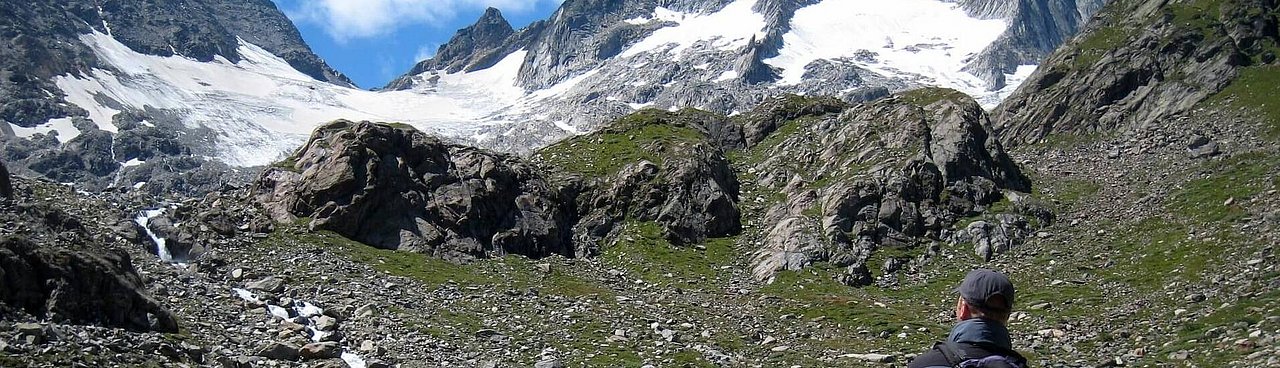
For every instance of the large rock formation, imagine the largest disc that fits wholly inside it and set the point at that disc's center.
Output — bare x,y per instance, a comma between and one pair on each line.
55,265
77,287
653,166
888,175
397,188
1139,62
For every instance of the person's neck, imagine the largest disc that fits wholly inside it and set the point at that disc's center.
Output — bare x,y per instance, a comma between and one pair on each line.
981,331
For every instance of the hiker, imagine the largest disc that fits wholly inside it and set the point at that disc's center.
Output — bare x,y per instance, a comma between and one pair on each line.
979,338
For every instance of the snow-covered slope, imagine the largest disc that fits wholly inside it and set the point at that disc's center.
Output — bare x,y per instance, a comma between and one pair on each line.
257,110
720,56
923,41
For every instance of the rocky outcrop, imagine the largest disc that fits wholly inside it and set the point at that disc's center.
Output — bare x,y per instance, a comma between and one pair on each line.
889,176
770,115
1139,62
653,166
397,188
750,65
777,15
77,287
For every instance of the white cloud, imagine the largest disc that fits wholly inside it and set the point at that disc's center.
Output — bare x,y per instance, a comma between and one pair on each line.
347,20
426,52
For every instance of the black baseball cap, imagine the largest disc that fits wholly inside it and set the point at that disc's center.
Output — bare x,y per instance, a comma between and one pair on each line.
981,284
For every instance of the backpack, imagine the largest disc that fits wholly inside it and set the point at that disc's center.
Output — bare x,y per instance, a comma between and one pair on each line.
999,357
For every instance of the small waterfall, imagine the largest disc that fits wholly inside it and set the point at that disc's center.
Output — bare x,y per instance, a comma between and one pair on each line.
162,249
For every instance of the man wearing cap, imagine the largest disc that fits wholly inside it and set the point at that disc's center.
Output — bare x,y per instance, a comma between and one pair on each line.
980,338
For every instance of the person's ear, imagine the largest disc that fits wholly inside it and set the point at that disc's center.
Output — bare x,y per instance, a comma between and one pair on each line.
962,310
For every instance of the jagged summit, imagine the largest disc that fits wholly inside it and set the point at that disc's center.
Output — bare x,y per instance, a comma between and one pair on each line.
471,48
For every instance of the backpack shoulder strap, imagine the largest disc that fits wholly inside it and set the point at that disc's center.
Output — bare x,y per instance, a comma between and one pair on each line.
993,356
951,351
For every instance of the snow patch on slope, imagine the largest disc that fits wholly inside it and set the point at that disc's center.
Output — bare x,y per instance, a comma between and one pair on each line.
923,41
64,126
729,28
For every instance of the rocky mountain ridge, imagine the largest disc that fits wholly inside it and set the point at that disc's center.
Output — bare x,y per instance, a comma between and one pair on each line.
1141,63
593,50
162,115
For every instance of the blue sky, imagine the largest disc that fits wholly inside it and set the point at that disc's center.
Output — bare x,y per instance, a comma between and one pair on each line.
374,41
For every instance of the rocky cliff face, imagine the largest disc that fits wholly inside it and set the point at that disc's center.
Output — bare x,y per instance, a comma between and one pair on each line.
1141,62
398,188
887,177
1036,29
43,42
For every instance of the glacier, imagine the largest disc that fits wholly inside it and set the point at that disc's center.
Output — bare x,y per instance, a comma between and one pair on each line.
260,109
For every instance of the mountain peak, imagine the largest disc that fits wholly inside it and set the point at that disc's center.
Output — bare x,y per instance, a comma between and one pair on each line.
491,13
470,47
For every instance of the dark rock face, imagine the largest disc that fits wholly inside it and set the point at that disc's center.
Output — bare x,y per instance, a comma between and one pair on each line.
1139,62
750,65
77,287
398,188
53,266
6,187
892,174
